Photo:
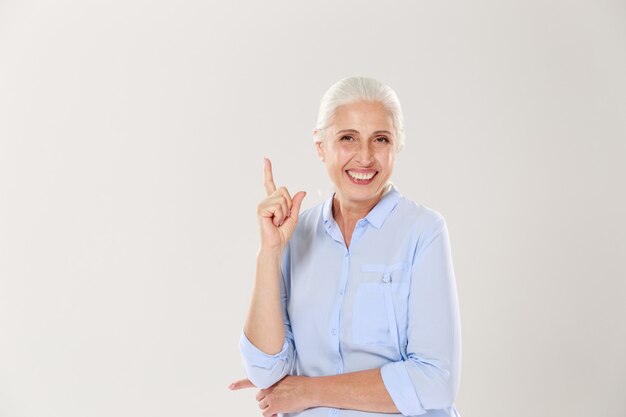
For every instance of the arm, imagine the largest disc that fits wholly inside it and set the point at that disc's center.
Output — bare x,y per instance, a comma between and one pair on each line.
266,343
429,378
264,324
362,390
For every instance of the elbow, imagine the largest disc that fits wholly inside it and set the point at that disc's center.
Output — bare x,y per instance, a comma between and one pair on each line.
264,375
417,385
262,369
261,381
437,382
446,396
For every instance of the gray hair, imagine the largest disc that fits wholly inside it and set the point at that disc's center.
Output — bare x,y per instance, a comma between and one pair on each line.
353,89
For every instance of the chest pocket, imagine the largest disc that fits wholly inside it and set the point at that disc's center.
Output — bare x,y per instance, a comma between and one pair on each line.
380,302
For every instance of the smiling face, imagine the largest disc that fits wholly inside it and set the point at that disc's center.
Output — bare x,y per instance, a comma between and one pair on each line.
359,151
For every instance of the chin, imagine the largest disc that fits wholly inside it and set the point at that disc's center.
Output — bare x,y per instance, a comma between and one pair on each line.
362,193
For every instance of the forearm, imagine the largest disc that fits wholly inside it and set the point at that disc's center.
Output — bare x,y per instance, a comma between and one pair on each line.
264,325
362,390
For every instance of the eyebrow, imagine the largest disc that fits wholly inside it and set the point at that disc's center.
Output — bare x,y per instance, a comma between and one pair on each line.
356,131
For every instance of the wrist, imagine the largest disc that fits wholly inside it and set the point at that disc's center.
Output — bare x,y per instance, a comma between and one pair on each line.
311,392
270,252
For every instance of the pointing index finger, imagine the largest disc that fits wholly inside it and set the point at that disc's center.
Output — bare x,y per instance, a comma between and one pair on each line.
269,178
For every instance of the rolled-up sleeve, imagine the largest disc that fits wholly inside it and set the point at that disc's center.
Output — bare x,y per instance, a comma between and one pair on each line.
429,376
263,369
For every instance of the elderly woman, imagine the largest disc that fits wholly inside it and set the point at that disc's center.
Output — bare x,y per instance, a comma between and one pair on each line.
354,310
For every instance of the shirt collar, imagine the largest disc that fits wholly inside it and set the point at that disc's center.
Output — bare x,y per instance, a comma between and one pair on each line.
377,215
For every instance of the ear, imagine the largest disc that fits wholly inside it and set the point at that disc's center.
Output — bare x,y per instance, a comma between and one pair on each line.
321,152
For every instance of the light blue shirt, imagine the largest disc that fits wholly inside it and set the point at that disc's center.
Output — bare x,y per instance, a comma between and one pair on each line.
387,301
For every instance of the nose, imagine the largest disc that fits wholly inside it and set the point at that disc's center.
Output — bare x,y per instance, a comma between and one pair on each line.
366,154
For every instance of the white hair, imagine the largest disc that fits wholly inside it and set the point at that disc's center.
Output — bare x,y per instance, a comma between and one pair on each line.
351,89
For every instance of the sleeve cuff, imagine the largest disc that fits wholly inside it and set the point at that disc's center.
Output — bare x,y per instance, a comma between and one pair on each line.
263,369
400,387
256,357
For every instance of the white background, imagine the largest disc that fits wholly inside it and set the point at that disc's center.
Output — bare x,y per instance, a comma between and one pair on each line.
132,137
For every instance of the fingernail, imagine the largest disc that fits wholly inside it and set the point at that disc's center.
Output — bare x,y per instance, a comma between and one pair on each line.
231,386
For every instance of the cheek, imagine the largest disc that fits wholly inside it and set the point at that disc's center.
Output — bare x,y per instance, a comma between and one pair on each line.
386,158
340,156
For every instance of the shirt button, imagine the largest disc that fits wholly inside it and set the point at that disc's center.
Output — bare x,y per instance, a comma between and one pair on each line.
340,292
333,332
334,411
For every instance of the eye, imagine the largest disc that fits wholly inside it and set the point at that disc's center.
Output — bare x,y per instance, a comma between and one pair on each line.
344,137
384,139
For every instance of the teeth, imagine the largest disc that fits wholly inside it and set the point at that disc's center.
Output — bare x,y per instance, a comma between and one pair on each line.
361,176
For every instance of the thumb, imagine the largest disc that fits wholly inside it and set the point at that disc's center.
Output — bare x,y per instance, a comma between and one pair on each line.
296,202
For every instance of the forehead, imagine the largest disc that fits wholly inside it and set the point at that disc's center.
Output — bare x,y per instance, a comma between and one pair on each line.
362,116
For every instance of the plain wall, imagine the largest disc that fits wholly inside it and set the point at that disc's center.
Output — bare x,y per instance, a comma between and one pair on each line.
132,137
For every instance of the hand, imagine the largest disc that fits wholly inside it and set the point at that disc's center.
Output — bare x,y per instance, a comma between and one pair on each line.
278,213
289,395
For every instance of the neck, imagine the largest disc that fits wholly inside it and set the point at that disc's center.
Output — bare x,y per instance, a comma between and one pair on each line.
350,211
